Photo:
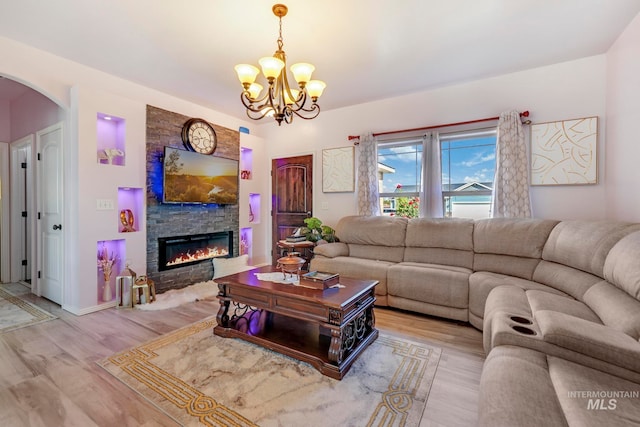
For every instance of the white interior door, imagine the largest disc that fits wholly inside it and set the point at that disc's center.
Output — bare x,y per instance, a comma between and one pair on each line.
21,209
5,253
50,202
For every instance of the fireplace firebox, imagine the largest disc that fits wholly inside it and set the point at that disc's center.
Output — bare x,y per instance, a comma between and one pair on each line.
180,251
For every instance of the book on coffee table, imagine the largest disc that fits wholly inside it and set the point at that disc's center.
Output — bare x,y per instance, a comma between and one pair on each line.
319,280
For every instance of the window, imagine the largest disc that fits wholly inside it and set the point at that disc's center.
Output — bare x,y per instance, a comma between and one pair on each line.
468,168
400,177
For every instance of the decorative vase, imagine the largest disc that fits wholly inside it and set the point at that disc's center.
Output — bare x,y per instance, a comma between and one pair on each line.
106,291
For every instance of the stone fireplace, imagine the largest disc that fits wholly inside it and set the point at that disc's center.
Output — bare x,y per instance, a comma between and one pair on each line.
181,251
176,221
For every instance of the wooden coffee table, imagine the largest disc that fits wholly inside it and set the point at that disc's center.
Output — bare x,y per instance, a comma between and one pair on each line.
327,329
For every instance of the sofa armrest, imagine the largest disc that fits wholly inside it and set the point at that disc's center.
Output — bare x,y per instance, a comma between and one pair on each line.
589,338
332,250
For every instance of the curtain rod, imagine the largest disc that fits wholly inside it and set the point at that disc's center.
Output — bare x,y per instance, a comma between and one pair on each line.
523,114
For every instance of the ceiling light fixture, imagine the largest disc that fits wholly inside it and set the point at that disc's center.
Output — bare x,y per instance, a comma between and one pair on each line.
280,100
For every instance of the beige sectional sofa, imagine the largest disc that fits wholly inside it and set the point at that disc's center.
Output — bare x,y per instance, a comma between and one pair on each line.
557,301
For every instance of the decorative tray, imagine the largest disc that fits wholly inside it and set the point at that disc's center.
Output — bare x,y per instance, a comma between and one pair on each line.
319,280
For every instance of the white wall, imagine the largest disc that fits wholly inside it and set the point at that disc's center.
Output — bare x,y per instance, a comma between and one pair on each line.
5,117
83,91
32,112
623,125
563,91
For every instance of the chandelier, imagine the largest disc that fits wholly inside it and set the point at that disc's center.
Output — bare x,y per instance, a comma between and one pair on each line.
280,100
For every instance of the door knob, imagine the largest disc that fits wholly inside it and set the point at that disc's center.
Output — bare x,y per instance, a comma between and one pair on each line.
57,226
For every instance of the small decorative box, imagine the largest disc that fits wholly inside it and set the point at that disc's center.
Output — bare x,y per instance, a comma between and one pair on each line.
319,280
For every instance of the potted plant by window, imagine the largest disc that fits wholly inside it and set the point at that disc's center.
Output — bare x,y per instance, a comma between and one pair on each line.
318,233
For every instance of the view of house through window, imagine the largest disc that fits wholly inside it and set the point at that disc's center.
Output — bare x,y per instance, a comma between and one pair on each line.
468,168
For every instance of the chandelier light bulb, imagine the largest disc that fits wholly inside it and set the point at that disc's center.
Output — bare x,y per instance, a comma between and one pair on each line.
246,74
271,67
290,100
254,90
315,88
302,72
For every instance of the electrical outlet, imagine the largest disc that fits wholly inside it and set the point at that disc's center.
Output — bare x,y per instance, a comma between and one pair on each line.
324,206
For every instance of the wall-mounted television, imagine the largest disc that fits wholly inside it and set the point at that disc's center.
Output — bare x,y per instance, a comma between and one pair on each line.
198,178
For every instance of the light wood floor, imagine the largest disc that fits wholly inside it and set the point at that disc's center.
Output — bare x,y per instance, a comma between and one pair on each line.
48,374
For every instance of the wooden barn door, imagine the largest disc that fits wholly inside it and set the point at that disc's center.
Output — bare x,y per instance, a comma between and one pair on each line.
292,189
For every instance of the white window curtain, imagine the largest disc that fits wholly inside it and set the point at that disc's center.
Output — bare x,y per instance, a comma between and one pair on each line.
368,198
511,183
431,201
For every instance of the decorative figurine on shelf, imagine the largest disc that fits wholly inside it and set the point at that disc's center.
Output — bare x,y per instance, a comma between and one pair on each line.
252,217
127,219
109,153
105,263
244,244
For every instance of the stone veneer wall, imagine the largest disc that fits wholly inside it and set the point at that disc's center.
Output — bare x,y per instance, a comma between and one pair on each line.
163,220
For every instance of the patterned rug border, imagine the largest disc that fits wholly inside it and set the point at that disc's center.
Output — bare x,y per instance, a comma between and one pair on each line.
407,387
39,315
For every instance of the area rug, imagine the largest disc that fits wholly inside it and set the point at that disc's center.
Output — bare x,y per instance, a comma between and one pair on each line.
198,378
175,297
17,313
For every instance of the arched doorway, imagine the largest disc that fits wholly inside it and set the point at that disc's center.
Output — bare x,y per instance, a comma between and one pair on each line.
29,122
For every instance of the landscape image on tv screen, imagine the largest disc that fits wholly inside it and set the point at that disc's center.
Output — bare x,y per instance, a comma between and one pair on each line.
197,178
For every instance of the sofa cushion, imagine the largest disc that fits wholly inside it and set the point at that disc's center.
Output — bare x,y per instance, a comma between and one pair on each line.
580,389
590,339
332,250
431,283
622,266
512,236
357,268
372,230
516,390
564,278
481,283
374,252
539,301
505,301
585,244
510,246
440,241
615,307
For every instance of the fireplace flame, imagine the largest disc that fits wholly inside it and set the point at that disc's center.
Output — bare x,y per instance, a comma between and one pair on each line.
198,255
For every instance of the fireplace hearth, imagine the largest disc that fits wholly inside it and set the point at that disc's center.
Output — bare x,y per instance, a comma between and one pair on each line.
181,251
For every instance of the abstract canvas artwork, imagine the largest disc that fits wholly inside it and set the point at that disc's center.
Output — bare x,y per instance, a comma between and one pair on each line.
564,152
338,170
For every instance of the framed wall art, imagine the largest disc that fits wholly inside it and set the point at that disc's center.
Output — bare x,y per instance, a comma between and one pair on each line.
565,152
338,170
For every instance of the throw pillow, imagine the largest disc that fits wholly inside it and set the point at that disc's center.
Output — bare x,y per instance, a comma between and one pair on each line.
226,266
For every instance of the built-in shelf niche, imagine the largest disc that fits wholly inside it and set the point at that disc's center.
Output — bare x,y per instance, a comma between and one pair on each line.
246,163
254,208
110,257
246,241
110,139
130,201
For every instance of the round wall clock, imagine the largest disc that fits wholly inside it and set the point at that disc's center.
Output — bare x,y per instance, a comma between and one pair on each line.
198,135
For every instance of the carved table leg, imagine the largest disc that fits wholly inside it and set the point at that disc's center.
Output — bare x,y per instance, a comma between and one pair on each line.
223,313
335,349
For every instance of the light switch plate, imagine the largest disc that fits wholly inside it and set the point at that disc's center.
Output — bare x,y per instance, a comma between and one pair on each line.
104,204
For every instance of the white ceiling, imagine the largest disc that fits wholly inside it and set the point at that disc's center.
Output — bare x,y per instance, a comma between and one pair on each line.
363,49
